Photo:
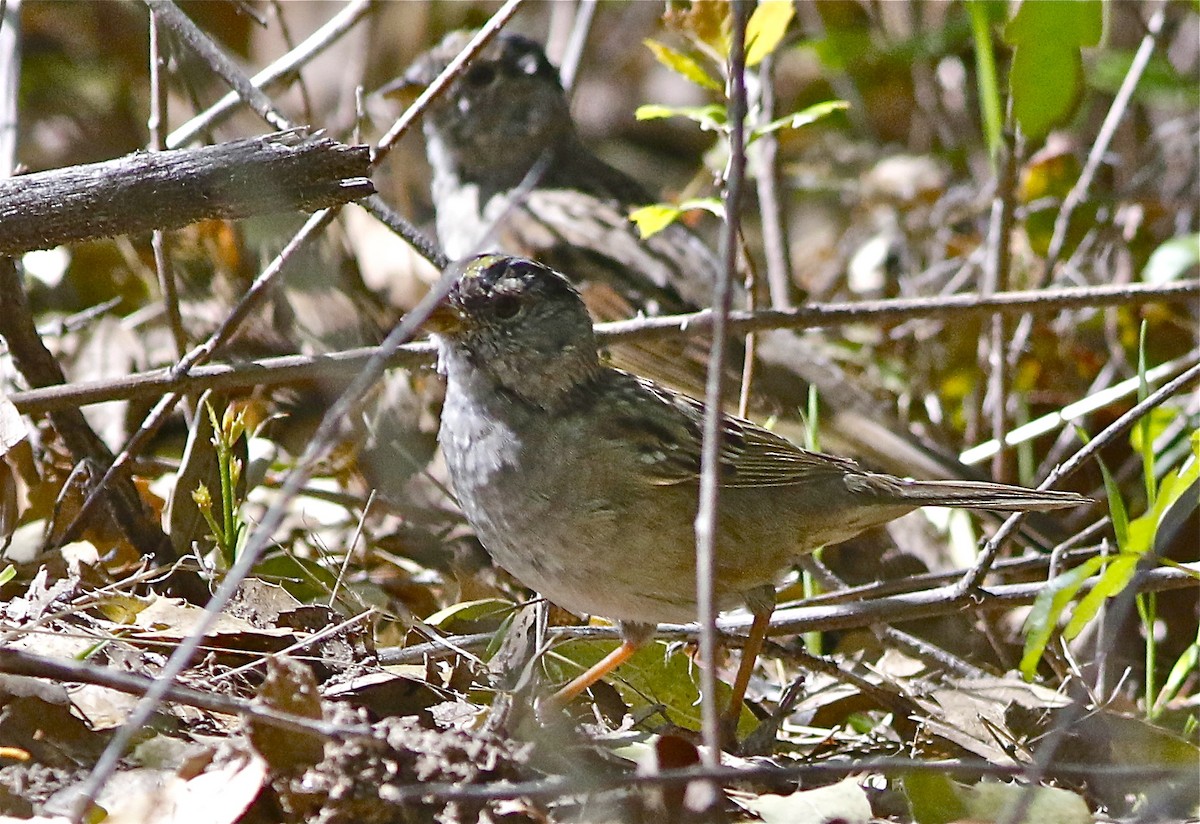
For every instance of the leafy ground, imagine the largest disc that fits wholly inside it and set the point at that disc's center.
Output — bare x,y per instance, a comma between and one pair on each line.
374,665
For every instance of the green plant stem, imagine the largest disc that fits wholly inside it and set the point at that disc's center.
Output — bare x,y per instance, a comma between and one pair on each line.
1144,424
229,536
1147,605
985,65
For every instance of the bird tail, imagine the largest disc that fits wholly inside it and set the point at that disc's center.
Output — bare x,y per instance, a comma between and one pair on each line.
986,495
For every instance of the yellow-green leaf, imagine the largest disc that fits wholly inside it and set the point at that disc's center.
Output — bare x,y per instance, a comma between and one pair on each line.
711,117
654,218
805,116
658,216
766,28
933,797
1114,579
682,64
1048,606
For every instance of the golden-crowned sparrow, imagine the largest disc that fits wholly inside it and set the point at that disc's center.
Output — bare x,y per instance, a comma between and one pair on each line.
582,480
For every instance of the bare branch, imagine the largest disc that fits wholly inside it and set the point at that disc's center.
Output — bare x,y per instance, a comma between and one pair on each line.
221,63
285,171
39,367
928,603
283,68
270,371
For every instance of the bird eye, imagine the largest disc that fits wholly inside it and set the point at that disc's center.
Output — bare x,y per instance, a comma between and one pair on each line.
506,307
530,64
481,75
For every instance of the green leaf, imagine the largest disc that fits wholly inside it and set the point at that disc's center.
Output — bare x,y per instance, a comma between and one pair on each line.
1160,417
653,675
1172,260
683,64
1116,506
1141,532
1143,425
1046,78
1076,23
1138,539
7,574
304,579
712,117
1114,579
1045,83
652,219
933,797
484,615
1184,666
805,116
1047,607
766,28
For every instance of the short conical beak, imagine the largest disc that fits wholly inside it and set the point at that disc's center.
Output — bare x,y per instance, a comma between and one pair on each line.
404,88
444,319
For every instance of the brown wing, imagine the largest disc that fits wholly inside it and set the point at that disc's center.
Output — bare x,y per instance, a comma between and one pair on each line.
666,429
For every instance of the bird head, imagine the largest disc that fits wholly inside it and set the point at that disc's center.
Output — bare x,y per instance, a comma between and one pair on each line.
508,102
518,324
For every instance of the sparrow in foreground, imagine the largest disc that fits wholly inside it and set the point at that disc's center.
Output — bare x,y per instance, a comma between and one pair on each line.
582,480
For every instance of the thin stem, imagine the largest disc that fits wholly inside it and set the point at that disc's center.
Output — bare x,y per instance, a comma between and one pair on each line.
283,68
157,122
706,513
289,368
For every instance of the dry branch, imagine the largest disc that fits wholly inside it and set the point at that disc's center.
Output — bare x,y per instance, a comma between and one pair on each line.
269,371
39,368
31,665
281,172
932,602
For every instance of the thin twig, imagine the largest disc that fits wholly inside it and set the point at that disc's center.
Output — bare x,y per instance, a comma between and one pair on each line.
447,76
766,174
1079,191
221,63
710,460
285,369
996,279
974,578
573,53
19,662
588,782
285,67
928,603
157,122
957,307
10,83
325,435
10,80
